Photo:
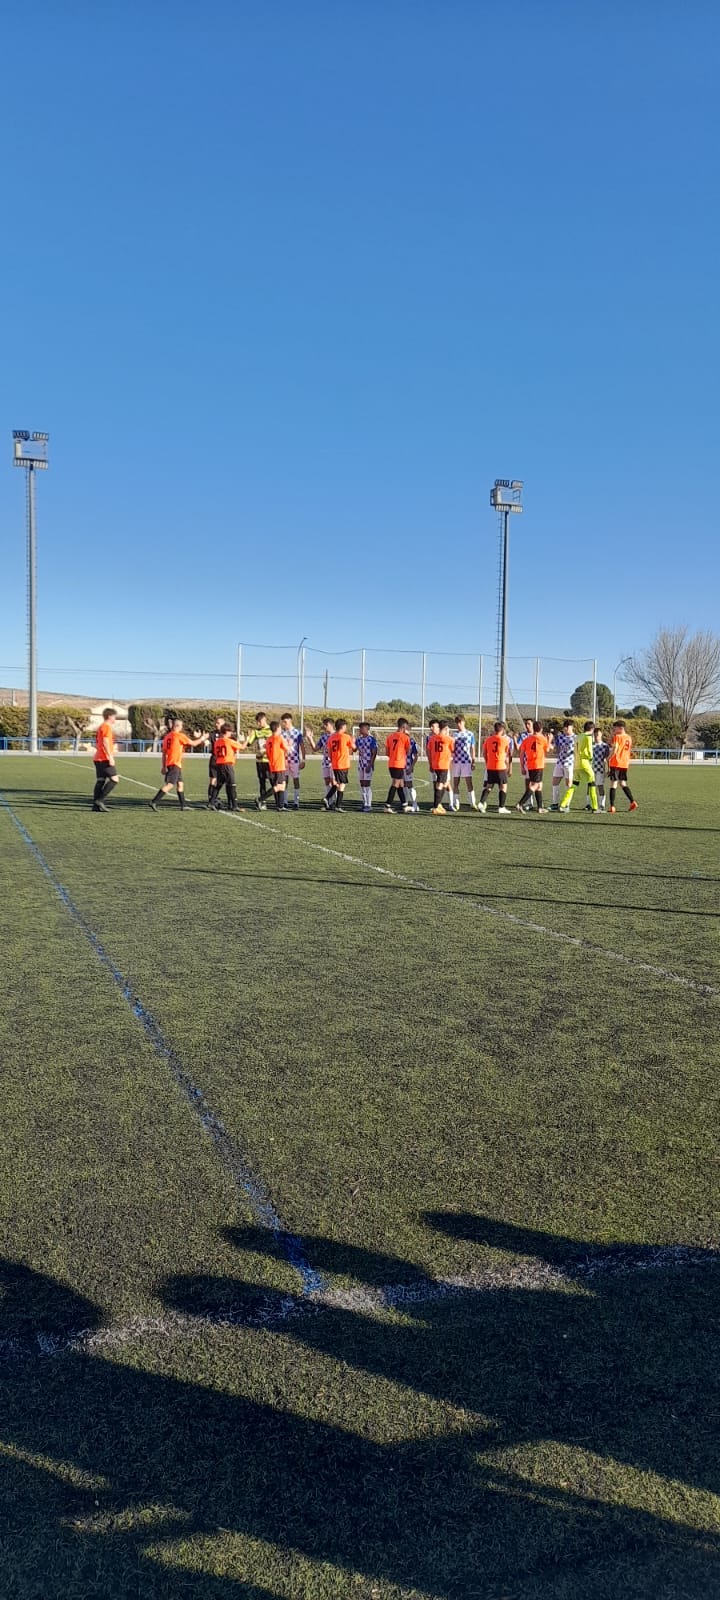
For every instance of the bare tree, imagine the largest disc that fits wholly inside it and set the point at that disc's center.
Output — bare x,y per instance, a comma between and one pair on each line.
681,671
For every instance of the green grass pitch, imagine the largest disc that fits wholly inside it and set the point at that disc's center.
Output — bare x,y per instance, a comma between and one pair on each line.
472,1064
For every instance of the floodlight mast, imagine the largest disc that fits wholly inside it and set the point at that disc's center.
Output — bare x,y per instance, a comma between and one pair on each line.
30,452
506,498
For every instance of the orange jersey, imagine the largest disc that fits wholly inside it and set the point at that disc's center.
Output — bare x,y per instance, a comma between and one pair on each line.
496,752
105,742
440,747
225,750
620,750
397,748
535,749
340,747
174,746
276,752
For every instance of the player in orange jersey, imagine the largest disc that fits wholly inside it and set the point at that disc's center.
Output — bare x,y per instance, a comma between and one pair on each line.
174,746
340,747
497,754
106,775
536,746
618,763
225,749
440,747
397,750
276,751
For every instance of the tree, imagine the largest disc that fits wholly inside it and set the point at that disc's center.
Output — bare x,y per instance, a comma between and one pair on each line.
641,711
581,700
681,672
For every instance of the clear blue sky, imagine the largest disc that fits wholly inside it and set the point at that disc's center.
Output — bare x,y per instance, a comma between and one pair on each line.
291,283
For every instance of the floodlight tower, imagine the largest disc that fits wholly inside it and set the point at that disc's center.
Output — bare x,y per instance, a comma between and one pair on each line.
506,498
30,450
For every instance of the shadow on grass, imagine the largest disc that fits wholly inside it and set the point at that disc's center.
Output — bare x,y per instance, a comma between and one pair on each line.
104,1462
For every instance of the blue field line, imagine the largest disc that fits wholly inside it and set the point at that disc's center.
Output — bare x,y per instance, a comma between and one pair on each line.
256,1195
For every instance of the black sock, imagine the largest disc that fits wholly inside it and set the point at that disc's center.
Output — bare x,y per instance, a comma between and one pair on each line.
181,798
613,793
107,789
436,795
484,794
391,795
538,800
279,799
158,797
232,797
98,790
628,792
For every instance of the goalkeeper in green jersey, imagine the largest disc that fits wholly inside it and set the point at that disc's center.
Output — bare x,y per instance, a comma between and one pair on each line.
584,769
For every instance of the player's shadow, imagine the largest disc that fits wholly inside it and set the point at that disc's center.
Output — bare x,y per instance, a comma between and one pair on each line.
112,1472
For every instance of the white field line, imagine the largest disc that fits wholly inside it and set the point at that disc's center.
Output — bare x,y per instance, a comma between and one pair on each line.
707,990
273,1310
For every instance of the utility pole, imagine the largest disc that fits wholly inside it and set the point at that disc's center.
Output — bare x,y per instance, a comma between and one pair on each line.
506,498
30,451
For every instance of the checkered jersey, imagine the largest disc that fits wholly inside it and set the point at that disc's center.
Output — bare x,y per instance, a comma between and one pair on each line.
293,739
564,747
600,753
412,756
464,745
367,746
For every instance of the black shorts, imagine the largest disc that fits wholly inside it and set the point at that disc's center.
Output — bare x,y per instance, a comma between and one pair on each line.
341,774
225,773
212,767
105,769
173,774
497,776
396,772
536,774
441,778
277,777
618,774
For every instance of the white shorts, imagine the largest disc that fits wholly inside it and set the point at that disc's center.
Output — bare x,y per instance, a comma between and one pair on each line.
365,775
462,769
564,769
327,771
293,766
410,777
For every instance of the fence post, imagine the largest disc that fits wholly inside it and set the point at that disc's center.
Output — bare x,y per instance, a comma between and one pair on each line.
537,688
423,688
362,685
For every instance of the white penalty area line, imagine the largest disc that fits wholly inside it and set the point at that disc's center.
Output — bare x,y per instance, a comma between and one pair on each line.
709,991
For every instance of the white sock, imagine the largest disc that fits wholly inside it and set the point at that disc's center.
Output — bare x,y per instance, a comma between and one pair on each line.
556,793
471,798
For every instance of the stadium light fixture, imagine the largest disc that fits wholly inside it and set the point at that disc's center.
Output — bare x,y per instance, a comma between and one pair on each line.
30,450
506,499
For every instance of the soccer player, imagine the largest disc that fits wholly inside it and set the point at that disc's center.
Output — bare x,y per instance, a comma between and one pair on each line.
226,749
106,774
536,748
564,768
174,746
600,753
463,763
618,763
217,732
257,740
367,750
276,752
585,768
497,755
440,748
525,802
397,750
296,753
340,749
409,784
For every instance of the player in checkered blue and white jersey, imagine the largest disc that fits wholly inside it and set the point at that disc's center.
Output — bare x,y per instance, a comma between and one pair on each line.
320,744
410,766
600,753
366,746
463,763
295,744
564,769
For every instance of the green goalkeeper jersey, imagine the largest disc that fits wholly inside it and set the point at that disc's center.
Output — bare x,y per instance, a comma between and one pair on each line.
585,747
257,740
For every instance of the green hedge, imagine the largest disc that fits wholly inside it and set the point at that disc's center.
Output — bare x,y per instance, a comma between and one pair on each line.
54,722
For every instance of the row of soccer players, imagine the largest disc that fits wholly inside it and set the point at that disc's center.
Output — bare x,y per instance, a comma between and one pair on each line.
280,749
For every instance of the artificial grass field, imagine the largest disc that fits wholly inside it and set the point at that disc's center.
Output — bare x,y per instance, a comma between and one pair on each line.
427,1085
